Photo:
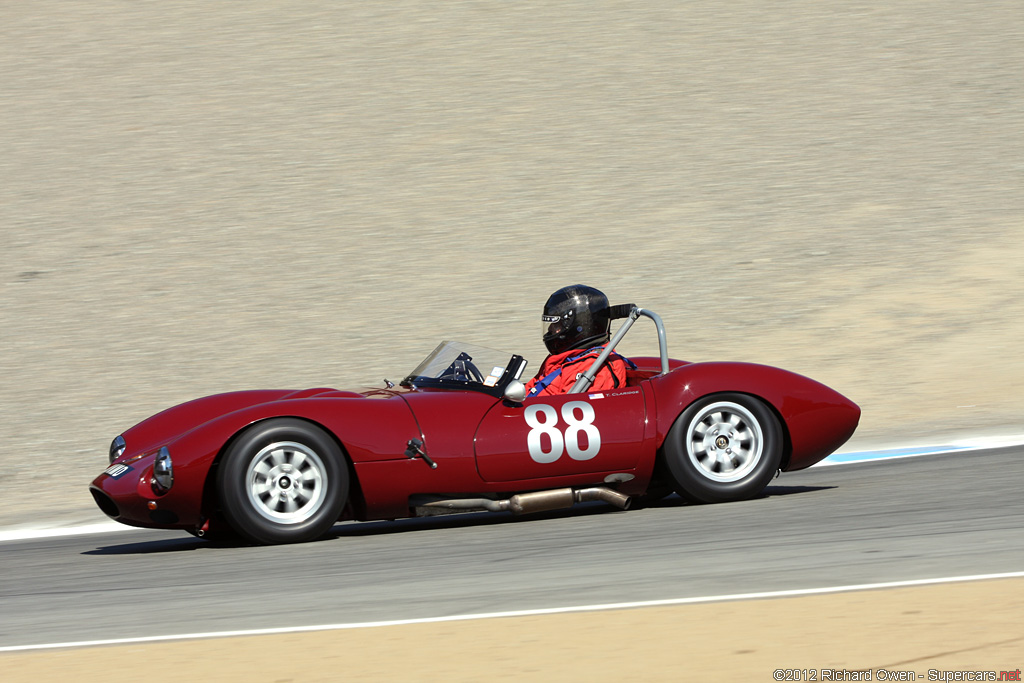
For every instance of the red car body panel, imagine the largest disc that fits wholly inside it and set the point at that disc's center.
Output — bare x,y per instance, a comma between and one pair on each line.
481,443
817,419
619,417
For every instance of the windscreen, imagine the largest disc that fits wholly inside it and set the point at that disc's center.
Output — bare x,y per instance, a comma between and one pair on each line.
464,363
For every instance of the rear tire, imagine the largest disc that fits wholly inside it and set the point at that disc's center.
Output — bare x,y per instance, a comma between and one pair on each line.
724,447
659,488
283,481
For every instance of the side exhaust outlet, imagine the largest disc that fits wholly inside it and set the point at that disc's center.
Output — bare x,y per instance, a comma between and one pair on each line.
610,496
559,499
523,503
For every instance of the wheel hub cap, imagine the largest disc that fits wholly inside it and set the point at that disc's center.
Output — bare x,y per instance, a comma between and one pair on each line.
286,482
724,441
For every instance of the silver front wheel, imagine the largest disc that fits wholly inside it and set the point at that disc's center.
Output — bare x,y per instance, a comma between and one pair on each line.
283,480
286,482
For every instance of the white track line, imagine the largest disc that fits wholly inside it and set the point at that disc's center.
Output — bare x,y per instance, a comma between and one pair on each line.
522,613
978,442
60,532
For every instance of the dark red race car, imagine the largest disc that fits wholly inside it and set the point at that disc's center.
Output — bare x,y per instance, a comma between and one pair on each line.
458,434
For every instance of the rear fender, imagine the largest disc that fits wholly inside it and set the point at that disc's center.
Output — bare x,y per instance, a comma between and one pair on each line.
816,419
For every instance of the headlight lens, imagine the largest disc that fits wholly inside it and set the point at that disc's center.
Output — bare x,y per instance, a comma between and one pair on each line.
163,471
117,447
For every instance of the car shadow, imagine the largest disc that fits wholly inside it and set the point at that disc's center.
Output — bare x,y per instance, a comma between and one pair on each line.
473,519
464,520
773,491
165,545
355,529
674,500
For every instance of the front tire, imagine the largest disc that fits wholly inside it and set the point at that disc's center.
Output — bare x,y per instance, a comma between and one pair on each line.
283,481
722,448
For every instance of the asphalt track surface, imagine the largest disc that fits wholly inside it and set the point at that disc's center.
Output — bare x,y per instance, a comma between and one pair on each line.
918,518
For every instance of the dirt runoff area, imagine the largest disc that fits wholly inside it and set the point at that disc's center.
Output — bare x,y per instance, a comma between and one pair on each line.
918,633
198,197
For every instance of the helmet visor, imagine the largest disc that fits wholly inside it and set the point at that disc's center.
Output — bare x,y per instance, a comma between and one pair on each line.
556,330
554,325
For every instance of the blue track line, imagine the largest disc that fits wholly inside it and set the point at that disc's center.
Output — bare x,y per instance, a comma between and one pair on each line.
867,456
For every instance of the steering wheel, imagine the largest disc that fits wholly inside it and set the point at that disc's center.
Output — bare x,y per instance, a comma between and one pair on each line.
462,369
474,372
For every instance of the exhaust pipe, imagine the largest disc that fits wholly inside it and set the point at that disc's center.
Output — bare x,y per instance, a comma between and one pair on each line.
603,493
542,501
559,499
202,528
528,503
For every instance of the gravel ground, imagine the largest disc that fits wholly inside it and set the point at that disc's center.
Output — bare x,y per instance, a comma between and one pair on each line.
972,626
201,197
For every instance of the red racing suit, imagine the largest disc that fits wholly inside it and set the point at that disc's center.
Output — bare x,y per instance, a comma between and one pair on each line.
560,371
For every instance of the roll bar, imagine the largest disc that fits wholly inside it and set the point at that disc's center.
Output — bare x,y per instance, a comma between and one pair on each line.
587,378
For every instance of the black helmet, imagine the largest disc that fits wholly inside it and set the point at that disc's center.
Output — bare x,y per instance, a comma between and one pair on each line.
575,317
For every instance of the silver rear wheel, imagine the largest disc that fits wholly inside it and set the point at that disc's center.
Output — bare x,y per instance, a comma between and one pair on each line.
723,447
724,441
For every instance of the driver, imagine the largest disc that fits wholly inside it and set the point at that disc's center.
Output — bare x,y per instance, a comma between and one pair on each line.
577,321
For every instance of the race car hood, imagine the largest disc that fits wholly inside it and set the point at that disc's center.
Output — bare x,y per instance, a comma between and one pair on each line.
183,418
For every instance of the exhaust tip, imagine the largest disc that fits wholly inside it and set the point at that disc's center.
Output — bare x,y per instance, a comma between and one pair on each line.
619,500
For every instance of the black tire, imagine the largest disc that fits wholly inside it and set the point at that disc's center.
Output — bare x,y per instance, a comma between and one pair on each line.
724,447
652,496
283,481
659,488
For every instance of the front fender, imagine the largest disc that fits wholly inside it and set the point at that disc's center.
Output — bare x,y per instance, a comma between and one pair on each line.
368,430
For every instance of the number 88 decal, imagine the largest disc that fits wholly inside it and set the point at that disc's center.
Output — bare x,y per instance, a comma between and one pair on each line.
543,418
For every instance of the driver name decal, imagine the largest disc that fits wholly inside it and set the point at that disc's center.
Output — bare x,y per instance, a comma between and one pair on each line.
543,419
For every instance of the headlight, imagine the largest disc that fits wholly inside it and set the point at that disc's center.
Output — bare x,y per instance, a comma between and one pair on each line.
163,471
117,447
